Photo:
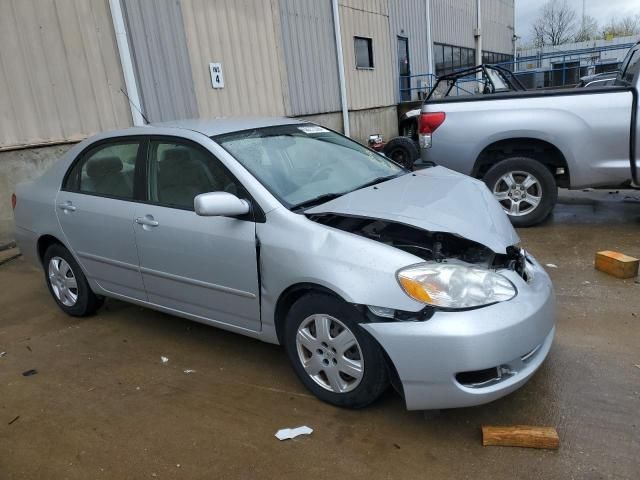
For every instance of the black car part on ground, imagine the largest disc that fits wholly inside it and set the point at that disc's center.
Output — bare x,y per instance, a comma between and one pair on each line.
403,151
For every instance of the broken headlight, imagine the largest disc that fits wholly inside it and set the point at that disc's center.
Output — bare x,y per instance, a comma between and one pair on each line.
454,286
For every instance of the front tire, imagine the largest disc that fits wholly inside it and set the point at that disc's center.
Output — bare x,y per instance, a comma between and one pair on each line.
67,284
525,189
337,360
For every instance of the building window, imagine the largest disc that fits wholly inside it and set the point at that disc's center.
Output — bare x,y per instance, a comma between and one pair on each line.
449,58
493,58
364,52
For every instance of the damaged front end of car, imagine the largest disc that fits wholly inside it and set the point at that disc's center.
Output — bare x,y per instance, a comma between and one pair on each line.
457,273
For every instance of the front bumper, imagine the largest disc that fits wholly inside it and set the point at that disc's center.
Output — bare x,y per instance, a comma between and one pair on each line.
512,337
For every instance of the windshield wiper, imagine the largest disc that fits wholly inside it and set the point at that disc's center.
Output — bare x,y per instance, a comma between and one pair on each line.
377,180
325,197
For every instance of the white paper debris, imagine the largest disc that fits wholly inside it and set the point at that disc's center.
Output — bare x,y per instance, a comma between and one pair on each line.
164,359
188,371
636,365
288,433
552,265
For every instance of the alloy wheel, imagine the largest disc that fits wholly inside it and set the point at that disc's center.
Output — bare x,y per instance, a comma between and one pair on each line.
518,192
330,353
63,281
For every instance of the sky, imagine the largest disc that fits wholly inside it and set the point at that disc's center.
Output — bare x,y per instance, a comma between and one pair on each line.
527,11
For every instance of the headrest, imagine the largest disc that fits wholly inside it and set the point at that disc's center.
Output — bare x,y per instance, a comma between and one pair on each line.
99,167
175,155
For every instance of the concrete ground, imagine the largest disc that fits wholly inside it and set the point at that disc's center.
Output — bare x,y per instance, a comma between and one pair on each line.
102,404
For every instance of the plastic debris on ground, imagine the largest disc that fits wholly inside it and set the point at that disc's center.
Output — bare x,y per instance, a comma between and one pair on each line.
2,354
188,371
164,359
551,265
289,433
28,373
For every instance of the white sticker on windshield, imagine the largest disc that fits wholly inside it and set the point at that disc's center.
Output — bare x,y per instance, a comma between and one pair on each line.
308,129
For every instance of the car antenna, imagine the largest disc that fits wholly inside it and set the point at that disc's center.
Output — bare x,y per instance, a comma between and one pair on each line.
136,107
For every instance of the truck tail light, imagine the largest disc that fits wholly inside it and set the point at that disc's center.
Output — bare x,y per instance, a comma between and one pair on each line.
429,122
14,200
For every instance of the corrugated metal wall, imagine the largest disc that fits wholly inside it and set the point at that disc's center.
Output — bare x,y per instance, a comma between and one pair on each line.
240,34
380,7
161,59
453,23
497,25
408,18
374,87
60,74
309,49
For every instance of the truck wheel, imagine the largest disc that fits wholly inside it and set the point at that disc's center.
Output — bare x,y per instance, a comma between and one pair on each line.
402,150
525,188
335,358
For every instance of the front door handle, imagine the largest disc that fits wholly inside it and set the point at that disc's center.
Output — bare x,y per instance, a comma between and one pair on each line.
67,207
147,221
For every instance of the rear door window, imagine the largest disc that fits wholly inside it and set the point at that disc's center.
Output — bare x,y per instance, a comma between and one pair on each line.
107,170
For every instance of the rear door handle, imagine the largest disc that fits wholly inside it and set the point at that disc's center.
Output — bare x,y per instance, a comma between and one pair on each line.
67,207
147,221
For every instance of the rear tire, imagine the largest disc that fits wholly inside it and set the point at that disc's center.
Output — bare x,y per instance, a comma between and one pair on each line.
402,150
335,358
525,189
67,284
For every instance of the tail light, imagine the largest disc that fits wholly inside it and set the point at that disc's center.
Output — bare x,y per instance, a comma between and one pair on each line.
429,122
14,200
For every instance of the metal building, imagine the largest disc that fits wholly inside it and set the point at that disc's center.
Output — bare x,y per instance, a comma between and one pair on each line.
65,66
459,34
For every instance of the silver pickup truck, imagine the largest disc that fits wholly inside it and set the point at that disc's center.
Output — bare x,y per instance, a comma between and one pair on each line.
525,144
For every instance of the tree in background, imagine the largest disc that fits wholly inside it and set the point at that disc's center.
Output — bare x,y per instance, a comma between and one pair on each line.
589,30
622,27
558,23
555,25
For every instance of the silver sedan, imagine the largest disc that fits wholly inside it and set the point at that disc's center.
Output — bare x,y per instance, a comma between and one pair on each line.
368,274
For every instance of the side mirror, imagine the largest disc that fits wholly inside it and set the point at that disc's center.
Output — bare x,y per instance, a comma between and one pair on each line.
220,204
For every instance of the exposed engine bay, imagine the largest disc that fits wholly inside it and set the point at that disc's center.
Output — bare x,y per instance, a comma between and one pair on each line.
430,246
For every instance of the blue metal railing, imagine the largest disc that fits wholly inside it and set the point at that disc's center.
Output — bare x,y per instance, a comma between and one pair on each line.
429,78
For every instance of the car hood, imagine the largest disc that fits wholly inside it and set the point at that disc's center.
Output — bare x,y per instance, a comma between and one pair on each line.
435,199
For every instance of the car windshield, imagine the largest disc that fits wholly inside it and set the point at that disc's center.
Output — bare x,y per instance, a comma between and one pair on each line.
305,164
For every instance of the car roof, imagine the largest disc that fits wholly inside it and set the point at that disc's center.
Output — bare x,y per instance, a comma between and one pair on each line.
219,126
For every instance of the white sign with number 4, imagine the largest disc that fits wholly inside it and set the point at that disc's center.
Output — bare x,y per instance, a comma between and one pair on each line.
217,80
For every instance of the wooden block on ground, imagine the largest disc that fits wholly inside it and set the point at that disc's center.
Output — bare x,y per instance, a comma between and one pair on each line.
521,436
617,264
10,254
